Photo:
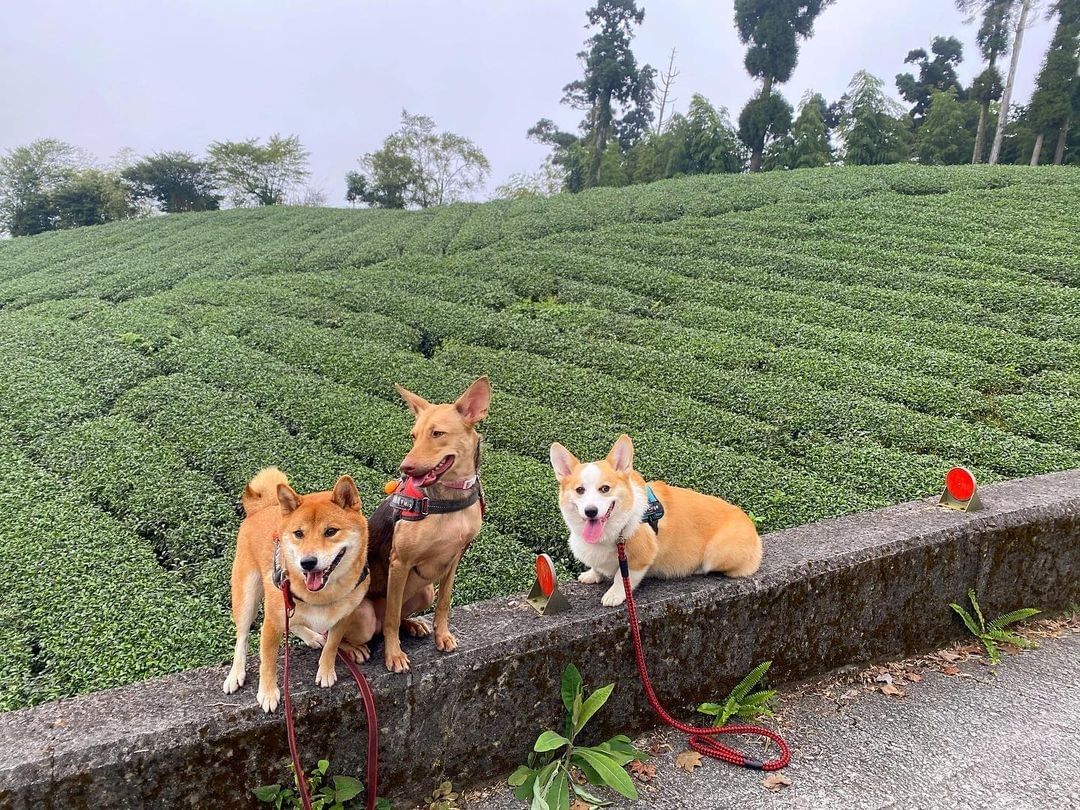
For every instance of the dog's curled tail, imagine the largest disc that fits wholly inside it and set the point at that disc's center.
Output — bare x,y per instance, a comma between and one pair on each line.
262,489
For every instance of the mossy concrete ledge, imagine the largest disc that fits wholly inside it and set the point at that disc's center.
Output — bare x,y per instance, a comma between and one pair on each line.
852,589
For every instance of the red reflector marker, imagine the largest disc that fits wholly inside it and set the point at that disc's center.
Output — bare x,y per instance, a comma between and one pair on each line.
545,597
960,491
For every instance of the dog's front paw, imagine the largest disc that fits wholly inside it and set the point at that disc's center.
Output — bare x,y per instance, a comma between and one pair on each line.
326,676
445,641
234,681
613,596
417,628
590,577
269,697
397,661
359,653
315,641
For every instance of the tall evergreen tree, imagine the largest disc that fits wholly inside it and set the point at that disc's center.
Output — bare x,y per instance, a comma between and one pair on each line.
807,147
771,30
871,127
993,40
1010,79
935,75
1056,100
615,94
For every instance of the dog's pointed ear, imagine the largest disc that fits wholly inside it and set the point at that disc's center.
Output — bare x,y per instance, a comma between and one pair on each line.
473,404
345,494
621,456
416,402
288,498
562,460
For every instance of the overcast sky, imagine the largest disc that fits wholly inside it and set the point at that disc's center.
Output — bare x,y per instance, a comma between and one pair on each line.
154,75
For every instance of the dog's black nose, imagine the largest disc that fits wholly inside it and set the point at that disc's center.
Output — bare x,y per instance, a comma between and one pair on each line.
309,563
591,512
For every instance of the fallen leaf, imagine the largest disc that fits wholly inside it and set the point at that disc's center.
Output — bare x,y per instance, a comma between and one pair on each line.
688,760
776,781
642,771
580,805
946,655
884,678
850,694
578,775
889,689
914,677
951,670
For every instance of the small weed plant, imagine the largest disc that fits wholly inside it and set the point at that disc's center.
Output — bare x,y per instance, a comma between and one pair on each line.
994,632
327,792
747,700
546,781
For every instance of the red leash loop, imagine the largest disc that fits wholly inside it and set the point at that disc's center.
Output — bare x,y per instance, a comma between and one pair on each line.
366,695
701,737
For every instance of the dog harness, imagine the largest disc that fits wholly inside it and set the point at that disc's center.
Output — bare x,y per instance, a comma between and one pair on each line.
654,511
279,575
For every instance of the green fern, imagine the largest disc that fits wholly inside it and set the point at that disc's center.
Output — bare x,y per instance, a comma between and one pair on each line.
994,633
745,700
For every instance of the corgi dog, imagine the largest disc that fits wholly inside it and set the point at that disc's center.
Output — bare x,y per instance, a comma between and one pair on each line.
410,550
320,542
605,502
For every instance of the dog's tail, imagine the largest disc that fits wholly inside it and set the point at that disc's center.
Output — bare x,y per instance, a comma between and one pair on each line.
262,489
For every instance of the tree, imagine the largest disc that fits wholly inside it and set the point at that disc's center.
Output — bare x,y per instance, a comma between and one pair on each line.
175,181
771,30
1006,95
701,142
29,176
1057,90
808,145
935,75
614,93
993,40
947,133
871,128
89,197
544,182
254,174
419,167
667,81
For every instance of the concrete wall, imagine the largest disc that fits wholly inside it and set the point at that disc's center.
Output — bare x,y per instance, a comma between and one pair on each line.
853,589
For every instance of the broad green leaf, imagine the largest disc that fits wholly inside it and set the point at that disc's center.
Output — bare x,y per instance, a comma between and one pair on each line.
267,793
585,795
322,767
345,788
711,709
592,705
539,801
558,794
610,774
519,776
550,741
524,791
571,686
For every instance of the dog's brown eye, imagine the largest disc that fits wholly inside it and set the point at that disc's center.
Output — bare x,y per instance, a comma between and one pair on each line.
435,434
330,531
299,534
605,489
580,490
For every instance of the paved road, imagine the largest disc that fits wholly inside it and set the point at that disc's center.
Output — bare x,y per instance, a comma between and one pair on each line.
972,740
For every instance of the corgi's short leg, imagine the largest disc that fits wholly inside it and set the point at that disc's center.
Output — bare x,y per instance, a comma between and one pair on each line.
734,553
247,592
616,594
590,577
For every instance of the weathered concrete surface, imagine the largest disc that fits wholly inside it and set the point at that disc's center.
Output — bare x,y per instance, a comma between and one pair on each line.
857,588
1008,739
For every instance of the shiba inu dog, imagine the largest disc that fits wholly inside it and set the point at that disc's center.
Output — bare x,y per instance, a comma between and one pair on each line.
604,502
318,541
420,533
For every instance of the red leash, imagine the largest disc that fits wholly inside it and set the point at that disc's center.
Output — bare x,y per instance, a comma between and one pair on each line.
701,737
369,710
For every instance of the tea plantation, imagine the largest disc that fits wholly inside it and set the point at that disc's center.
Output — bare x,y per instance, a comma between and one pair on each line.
805,344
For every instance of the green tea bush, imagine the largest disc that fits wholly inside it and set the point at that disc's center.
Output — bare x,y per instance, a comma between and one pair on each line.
805,344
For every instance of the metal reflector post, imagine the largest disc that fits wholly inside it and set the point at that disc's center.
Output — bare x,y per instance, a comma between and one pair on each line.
545,596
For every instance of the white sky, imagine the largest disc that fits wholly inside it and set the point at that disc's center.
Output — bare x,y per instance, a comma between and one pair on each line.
176,75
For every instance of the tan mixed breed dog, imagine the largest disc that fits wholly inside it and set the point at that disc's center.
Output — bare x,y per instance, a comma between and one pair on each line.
604,502
322,543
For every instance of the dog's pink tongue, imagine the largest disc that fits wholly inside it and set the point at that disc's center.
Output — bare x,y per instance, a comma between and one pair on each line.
592,531
313,580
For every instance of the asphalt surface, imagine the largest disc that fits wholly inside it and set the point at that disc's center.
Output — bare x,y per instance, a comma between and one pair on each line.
973,738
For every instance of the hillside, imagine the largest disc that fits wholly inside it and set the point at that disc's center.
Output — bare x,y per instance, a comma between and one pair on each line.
805,344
